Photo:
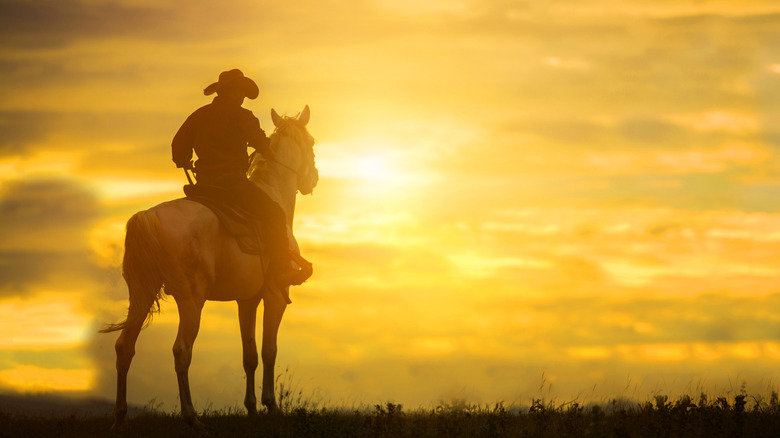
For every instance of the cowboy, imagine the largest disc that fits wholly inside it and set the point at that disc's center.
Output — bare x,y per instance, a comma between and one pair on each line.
219,133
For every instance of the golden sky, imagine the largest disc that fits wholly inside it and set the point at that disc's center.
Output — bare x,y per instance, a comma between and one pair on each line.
569,198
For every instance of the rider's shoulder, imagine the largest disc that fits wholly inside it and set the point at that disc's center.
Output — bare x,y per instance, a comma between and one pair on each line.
246,114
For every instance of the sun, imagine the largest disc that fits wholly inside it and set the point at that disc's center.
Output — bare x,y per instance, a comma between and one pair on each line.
366,161
374,167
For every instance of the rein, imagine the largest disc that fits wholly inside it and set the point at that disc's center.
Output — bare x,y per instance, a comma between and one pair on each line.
252,157
284,165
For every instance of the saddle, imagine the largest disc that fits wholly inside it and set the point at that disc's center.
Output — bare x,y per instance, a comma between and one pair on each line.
237,223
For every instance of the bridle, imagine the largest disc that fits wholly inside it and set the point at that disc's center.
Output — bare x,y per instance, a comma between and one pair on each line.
299,146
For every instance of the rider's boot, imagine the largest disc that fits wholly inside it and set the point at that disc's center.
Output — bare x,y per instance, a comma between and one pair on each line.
292,276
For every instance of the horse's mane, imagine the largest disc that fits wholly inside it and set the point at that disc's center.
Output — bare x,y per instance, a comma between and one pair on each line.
290,127
287,126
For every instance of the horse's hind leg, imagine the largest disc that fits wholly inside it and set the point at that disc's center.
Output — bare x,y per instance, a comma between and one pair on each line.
247,319
273,310
189,324
125,350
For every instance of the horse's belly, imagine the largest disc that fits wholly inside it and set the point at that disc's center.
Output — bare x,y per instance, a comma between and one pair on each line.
238,276
235,291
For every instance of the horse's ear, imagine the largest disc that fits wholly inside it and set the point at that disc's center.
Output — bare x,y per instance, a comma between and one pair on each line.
275,117
303,119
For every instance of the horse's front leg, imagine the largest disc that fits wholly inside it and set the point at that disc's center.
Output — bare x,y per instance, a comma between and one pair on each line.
189,324
273,310
247,318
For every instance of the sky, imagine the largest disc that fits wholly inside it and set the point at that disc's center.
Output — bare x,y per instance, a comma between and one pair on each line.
518,199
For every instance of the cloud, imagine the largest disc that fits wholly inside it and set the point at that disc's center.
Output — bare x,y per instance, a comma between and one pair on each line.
133,144
576,132
51,24
45,213
20,130
59,23
44,226
651,131
22,272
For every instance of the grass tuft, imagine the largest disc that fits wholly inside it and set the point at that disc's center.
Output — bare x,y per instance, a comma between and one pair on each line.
739,415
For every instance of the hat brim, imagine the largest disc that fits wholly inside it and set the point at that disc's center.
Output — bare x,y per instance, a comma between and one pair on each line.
248,86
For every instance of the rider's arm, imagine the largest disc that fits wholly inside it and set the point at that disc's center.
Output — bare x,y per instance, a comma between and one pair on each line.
256,137
181,147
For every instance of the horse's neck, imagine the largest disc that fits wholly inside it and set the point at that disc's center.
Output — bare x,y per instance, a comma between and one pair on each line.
281,185
278,180
287,193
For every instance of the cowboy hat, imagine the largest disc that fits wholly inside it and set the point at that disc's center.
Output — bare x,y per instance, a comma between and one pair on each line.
233,78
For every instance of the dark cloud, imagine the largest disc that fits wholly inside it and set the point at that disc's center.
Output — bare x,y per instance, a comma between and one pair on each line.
537,21
636,63
43,235
21,271
131,143
37,206
650,130
649,320
53,24
56,23
20,131
563,131
577,132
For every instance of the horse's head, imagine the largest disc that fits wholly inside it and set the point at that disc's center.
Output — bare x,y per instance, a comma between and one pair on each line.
294,128
293,149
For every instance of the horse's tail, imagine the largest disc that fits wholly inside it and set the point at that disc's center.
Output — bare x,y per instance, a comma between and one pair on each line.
143,268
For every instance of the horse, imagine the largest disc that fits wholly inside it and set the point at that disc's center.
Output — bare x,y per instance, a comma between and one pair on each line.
178,248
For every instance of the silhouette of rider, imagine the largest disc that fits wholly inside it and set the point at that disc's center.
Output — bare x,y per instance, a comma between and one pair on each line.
219,133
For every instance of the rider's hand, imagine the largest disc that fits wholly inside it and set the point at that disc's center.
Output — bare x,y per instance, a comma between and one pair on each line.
187,165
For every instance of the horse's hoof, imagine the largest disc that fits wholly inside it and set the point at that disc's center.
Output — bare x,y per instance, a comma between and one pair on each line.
119,427
198,428
272,409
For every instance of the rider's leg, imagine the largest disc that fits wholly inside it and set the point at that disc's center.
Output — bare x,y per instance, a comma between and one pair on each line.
272,216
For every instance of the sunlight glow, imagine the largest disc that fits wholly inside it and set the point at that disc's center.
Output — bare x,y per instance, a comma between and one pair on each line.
480,265
590,353
380,163
38,164
113,190
107,241
374,167
65,325
36,379
394,229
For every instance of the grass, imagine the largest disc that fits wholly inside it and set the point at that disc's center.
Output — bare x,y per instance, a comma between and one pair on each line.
740,416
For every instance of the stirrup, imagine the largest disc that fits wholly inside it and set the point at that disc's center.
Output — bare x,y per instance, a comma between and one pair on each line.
296,277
